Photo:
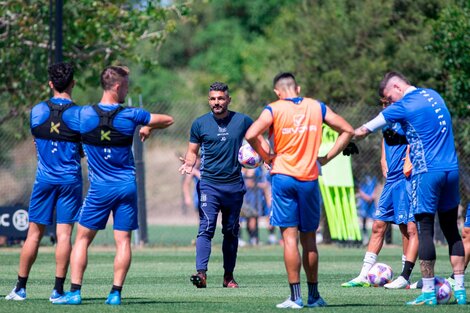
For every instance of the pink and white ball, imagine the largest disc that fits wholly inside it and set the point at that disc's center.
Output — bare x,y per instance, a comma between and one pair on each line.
443,290
380,274
248,157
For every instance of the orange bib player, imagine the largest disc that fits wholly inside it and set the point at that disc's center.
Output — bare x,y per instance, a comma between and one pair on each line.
295,124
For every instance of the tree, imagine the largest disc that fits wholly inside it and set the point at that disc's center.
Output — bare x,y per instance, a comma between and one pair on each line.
96,33
451,43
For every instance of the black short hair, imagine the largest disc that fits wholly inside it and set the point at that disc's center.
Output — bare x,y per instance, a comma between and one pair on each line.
219,86
61,75
387,78
112,75
283,75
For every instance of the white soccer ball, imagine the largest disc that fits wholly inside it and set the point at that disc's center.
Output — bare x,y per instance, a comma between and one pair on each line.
248,157
380,274
443,290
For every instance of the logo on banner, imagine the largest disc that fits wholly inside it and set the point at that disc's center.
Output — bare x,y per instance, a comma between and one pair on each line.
20,220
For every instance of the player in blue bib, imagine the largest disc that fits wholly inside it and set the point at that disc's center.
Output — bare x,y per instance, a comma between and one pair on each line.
58,184
219,135
427,123
107,131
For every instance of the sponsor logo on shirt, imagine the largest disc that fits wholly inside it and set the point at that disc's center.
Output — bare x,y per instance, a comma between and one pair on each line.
298,127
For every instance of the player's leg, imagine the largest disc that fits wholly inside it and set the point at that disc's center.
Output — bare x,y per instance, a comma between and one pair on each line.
62,258
466,244
79,256
448,218
232,199
122,260
209,206
94,215
402,217
40,212
292,263
309,208
122,263
425,193
285,214
28,255
385,214
67,212
448,222
78,264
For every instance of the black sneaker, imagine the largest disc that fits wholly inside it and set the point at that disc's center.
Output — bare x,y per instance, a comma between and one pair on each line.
199,280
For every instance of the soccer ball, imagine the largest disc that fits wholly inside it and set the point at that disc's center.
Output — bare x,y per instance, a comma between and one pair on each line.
380,274
443,290
248,157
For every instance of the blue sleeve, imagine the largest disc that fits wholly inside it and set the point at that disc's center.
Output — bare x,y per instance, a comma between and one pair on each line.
195,135
323,110
141,116
72,118
269,109
37,117
394,113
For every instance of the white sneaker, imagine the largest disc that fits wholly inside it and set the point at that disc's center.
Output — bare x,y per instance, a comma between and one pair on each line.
399,283
289,304
417,285
20,295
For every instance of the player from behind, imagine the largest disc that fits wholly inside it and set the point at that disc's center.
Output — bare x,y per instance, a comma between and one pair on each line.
295,124
394,207
107,131
58,185
427,123
219,134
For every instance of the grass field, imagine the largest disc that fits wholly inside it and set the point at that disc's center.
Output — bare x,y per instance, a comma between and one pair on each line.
158,281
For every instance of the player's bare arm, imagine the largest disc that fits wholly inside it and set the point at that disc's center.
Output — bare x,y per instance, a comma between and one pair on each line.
190,159
157,121
345,131
383,161
254,135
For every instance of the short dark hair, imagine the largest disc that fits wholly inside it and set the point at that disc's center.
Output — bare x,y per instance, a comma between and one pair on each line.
387,78
61,75
281,76
112,75
219,86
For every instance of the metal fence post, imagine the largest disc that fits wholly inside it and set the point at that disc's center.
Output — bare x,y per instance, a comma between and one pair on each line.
140,180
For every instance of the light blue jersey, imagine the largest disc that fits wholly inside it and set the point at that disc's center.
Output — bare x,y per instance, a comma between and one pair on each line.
111,164
427,123
58,161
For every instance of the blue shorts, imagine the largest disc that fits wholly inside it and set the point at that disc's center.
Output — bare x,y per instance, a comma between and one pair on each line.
394,203
467,218
295,203
64,199
434,191
101,200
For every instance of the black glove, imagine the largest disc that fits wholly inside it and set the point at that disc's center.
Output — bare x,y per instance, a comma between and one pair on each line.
392,138
350,149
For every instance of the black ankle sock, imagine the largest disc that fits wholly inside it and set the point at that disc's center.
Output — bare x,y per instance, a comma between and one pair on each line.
294,291
407,269
75,287
59,284
116,288
228,275
21,283
313,290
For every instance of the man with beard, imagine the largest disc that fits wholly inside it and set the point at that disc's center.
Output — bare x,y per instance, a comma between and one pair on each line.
219,134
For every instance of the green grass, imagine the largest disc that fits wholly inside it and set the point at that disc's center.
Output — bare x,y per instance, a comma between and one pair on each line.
158,281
